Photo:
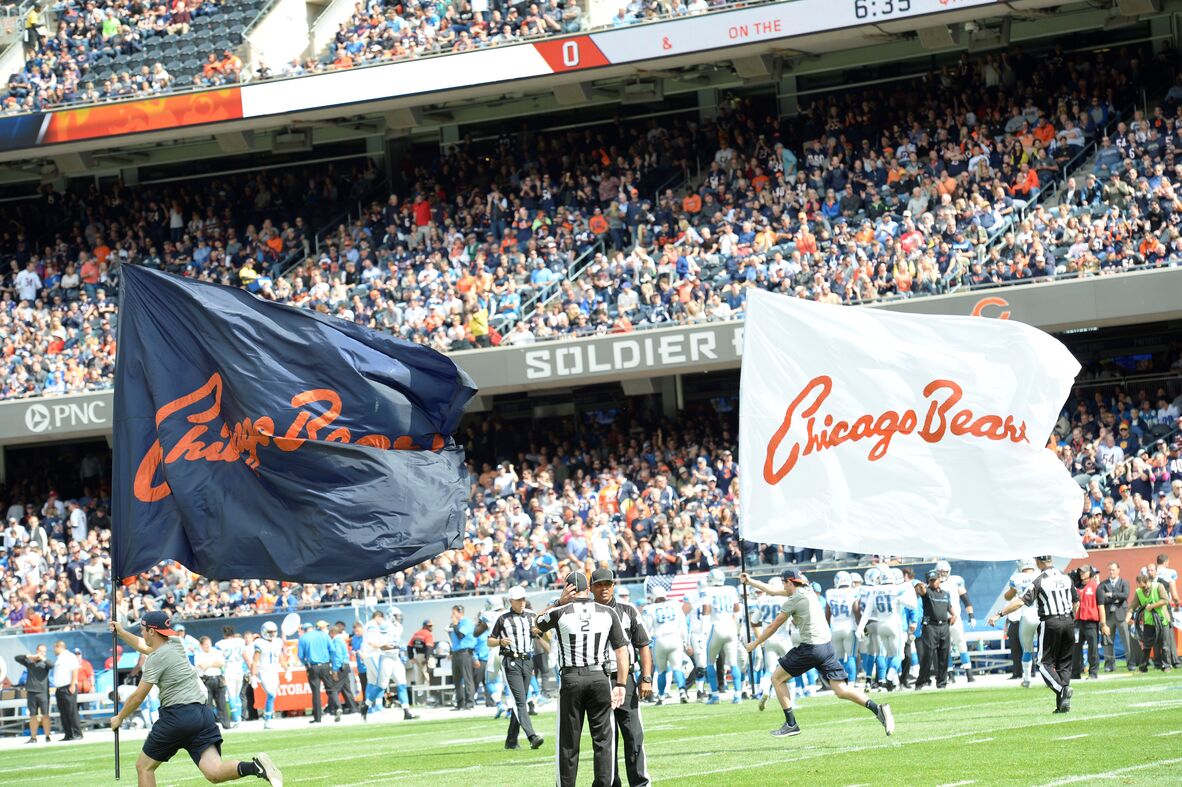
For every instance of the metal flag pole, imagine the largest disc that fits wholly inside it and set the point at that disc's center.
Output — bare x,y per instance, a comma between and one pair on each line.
747,619
115,583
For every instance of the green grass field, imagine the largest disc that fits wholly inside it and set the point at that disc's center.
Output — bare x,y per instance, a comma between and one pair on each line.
1126,730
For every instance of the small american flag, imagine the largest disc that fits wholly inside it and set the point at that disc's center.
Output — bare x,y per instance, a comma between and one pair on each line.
675,586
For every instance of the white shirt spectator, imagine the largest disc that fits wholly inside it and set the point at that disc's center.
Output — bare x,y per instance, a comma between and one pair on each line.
78,524
1167,415
15,534
64,667
28,283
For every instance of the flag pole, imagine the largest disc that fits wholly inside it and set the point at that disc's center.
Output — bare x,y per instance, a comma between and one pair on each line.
115,583
116,580
747,619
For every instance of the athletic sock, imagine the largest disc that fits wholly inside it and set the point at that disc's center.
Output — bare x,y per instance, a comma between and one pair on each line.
402,698
789,717
872,706
249,769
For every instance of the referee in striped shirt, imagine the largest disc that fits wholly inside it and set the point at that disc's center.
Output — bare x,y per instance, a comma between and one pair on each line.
513,633
1057,601
585,632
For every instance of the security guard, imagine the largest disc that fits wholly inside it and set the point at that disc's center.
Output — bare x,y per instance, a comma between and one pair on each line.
1057,601
586,631
603,584
937,618
513,634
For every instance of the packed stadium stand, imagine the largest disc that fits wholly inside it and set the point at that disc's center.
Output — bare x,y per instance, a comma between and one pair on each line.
988,169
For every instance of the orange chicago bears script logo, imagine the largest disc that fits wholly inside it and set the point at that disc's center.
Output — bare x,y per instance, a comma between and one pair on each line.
242,439
940,420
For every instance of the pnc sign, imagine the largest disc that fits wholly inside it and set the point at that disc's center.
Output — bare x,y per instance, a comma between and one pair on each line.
52,416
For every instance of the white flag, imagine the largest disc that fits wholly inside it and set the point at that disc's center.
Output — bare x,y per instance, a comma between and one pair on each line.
863,430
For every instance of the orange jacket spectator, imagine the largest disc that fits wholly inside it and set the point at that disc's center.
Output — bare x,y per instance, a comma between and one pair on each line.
692,203
598,224
1027,182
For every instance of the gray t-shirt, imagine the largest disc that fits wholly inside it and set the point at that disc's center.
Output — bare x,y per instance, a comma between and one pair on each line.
804,609
169,669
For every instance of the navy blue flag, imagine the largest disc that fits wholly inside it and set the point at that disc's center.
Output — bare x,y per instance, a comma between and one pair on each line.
258,440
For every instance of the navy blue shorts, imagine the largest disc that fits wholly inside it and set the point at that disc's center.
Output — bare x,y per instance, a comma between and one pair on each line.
803,658
191,727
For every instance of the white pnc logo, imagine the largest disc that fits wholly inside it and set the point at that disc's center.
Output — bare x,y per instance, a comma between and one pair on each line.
37,418
65,415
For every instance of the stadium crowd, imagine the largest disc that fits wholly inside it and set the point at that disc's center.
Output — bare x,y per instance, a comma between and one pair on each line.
62,65
865,195
638,493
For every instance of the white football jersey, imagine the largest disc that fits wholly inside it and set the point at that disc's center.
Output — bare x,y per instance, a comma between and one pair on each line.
954,584
271,651
378,635
722,600
1021,582
884,602
233,650
841,606
666,620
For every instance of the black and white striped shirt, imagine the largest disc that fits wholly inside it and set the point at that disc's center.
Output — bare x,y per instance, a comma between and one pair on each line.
517,628
634,631
585,630
1054,593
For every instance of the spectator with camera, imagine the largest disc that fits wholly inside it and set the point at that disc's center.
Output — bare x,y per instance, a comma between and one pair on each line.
1089,618
1152,615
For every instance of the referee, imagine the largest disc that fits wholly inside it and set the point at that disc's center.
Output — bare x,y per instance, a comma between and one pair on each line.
603,585
186,722
585,632
513,633
1057,601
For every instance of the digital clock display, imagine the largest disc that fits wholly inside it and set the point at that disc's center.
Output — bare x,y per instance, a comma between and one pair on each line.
876,9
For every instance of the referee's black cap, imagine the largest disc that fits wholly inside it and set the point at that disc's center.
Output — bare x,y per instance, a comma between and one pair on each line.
602,575
578,581
933,575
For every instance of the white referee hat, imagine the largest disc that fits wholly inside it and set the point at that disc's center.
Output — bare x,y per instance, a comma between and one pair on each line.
516,593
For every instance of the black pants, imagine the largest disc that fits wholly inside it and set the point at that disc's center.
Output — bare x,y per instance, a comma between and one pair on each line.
1056,638
585,691
67,706
1152,639
1087,632
462,678
628,723
249,711
480,678
936,643
215,689
338,687
1015,648
518,673
317,675
362,677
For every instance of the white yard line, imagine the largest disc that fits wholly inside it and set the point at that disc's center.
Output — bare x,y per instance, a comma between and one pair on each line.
814,752
1087,777
1167,734
958,784
981,740
1072,737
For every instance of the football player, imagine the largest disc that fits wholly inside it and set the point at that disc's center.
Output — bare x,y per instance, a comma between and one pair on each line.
668,625
763,611
1022,624
722,608
955,586
494,607
865,615
699,628
269,658
233,650
839,612
382,650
